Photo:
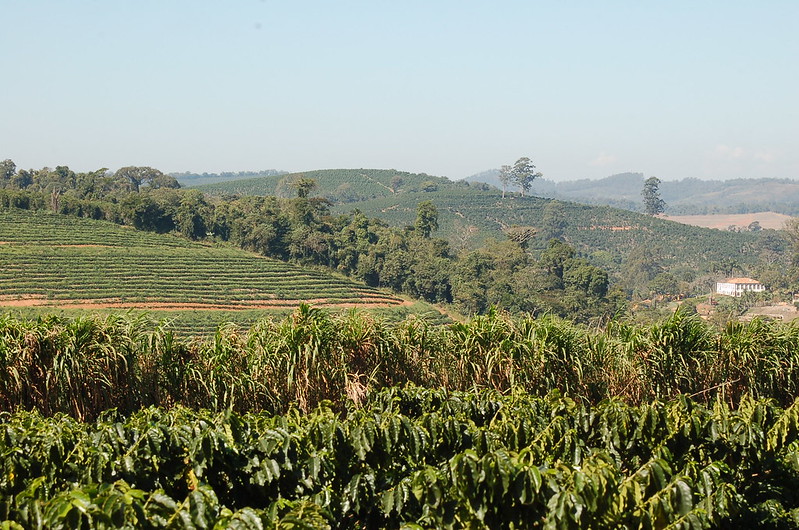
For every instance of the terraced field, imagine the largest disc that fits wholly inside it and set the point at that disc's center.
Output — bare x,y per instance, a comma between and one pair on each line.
55,262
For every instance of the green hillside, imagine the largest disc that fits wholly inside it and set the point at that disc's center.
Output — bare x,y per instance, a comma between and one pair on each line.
189,179
52,262
471,214
468,217
339,185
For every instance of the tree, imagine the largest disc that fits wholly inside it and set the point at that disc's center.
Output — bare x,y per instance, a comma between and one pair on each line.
555,258
139,175
791,229
505,177
523,174
7,169
192,215
396,183
426,218
520,234
303,186
653,204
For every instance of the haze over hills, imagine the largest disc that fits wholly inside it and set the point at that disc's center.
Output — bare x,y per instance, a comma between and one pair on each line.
688,196
683,197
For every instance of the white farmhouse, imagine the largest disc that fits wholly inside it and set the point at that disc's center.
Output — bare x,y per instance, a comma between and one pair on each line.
739,286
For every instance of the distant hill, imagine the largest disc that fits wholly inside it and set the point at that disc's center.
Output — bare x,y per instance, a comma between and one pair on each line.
188,179
470,213
338,185
469,216
689,196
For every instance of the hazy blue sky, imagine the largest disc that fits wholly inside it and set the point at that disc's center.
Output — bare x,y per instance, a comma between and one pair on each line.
586,89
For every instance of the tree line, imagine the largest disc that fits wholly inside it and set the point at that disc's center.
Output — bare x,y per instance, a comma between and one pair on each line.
408,260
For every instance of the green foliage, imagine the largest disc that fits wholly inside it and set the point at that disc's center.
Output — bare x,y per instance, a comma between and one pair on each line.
339,185
302,230
523,174
84,366
426,219
653,204
409,456
588,229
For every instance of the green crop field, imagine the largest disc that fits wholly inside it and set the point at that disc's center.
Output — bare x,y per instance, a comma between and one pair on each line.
341,185
52,262
468,217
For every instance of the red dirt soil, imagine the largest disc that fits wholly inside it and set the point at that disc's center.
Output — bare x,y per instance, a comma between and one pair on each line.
168,306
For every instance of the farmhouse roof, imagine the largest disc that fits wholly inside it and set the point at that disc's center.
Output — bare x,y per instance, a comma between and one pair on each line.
740,280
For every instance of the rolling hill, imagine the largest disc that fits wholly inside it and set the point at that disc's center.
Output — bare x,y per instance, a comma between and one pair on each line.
338,185
468,217
52,262
471,214
688,196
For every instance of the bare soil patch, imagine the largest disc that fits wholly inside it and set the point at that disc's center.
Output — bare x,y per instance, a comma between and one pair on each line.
772,220
170,306
784,311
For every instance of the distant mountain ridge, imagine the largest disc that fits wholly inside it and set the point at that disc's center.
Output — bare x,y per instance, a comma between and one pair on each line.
688,196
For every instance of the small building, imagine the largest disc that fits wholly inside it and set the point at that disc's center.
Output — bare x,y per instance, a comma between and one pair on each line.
739,286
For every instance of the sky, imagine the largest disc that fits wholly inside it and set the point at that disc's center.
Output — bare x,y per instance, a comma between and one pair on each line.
705,89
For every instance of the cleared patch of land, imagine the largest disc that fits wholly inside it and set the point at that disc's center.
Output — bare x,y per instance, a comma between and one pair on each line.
771,220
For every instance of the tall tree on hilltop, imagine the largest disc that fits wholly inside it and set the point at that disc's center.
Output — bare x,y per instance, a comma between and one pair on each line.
653,204
505,177
523,174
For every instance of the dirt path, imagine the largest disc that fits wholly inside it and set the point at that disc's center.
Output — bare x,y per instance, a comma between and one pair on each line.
170,306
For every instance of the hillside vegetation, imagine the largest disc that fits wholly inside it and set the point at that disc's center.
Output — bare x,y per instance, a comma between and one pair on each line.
339,185
522,254
347,420
469,217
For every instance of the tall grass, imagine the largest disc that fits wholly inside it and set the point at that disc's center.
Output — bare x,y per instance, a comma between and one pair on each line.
86,365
